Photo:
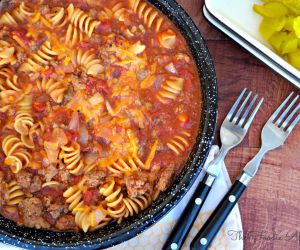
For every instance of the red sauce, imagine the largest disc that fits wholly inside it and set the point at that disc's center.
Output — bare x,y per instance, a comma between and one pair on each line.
111,108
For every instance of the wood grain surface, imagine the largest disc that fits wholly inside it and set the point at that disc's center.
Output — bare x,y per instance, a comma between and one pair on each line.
270,208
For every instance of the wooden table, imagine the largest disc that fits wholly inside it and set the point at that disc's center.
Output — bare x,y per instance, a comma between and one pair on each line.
271,205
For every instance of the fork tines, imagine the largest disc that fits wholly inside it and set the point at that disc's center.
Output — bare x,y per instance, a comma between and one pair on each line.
246,119
285,121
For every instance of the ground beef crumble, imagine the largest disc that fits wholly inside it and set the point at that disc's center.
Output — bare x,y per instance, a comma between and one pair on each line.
66,223
166,177
32,183
137,184
32,211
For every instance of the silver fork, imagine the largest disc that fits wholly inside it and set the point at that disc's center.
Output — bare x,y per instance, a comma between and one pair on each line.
274,134
233,131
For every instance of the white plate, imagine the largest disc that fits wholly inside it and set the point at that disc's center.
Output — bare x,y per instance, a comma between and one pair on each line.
237,20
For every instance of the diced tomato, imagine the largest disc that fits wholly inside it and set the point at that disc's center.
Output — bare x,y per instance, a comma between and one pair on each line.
77,179
117,71
87,197
47,136
119,129
102,87
39,106
188,77
49,72
21,34
90,85
62,116
72,135
105,27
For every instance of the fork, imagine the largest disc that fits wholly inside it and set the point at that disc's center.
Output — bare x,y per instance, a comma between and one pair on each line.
274,134
233,131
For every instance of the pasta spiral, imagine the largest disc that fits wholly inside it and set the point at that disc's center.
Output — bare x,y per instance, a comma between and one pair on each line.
16,156
81,20
53,88
37,130
7,19
170,89
136,205
118,11
73,36
57,18
114,199
73,197
71,157
87,61
11,91
147,13
121,166
88,218
14,193
85,217
7,53
10,84
22,12
23,119
179,143
40,59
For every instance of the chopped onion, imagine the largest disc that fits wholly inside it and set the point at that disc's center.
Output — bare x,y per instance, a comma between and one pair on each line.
98,216
96,99
52,151
137,48
74,122
171,68
83,134
90,157
59,136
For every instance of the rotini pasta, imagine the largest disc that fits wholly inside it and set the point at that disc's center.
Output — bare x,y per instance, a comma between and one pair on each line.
147,13
88,62
170,89
14,193
50,183
73,36
7,53
57,17
36,130
71,157
179,143
136,205
122,166
73,197
7,19
82,20
40,59
54,88
16,156
114,198
23,119
22,12
88,218
85,216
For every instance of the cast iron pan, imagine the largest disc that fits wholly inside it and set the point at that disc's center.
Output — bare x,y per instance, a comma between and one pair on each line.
114,234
